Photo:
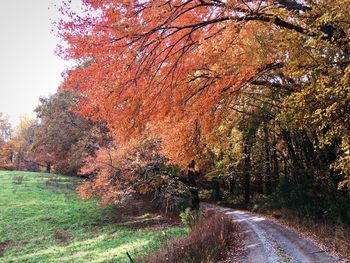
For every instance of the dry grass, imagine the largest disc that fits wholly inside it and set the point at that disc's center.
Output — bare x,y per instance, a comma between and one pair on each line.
17,179
211,237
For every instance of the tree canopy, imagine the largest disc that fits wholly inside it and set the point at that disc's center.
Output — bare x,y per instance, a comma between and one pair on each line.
209,99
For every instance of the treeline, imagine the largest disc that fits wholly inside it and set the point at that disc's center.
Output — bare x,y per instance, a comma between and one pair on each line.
58,139
223,100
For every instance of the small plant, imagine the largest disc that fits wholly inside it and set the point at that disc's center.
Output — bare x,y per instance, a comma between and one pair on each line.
189,217
61,235
147,216
17,180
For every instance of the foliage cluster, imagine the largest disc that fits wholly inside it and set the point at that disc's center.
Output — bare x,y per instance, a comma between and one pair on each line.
190,217
256,92
136,170
60,139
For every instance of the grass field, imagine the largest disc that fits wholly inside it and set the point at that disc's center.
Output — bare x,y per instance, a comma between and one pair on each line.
43,220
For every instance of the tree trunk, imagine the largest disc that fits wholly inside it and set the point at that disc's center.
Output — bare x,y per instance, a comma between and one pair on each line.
259,182
291,152
267,166
191,174
232,185
48,168
247,171
217,194
276,176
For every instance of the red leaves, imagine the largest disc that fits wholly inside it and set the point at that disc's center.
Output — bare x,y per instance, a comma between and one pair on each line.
160,65
122,171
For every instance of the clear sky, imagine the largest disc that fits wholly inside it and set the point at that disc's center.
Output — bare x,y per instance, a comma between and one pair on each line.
28,66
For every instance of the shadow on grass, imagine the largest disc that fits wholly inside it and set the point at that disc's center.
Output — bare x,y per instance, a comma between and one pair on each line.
50,223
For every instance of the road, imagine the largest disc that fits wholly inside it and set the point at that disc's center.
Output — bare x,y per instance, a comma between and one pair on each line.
269,242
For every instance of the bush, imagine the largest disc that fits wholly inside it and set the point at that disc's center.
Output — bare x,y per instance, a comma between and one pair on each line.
210,238
175,197
206,195
189,217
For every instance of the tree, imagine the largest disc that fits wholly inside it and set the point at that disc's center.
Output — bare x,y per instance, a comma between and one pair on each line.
183,69
138,170
7,155
5,129
64,138
23,140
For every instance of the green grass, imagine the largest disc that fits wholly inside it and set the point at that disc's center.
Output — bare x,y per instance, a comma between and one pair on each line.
43,220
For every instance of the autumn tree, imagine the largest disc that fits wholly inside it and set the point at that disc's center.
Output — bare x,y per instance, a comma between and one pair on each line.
6,146
137,170
184,69
23,141
64,138
300,114
5,128
7,155
182,63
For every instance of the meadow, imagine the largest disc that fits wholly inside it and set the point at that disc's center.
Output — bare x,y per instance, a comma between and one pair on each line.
42,219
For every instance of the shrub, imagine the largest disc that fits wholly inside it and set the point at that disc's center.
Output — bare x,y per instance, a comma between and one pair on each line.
208,241
189,217
206,195
174,196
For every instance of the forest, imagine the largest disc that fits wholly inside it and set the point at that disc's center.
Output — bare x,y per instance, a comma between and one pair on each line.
176,102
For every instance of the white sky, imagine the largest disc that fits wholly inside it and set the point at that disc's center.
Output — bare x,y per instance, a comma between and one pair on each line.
28,66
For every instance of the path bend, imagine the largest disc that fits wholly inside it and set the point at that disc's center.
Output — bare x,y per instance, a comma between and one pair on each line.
269,242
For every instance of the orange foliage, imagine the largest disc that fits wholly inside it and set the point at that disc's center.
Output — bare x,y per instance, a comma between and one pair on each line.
171,67
7,154
123,171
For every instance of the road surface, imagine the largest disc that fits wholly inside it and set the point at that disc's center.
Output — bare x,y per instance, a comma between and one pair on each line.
268,242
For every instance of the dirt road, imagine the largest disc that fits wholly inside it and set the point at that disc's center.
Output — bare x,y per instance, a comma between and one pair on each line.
268,242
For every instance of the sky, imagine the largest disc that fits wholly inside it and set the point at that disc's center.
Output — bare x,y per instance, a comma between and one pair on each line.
28,66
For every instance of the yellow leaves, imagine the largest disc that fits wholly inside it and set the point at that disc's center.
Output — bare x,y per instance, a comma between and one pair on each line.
7,154
345,184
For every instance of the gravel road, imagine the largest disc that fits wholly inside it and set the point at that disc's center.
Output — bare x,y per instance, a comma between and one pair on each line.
268,242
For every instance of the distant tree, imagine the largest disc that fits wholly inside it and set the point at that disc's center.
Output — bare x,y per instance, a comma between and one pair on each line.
5,128
7,155
23,141
64,138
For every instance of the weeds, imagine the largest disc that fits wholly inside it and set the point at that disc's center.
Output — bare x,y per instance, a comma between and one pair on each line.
189,217
208,241
62,236
3,246
17,179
